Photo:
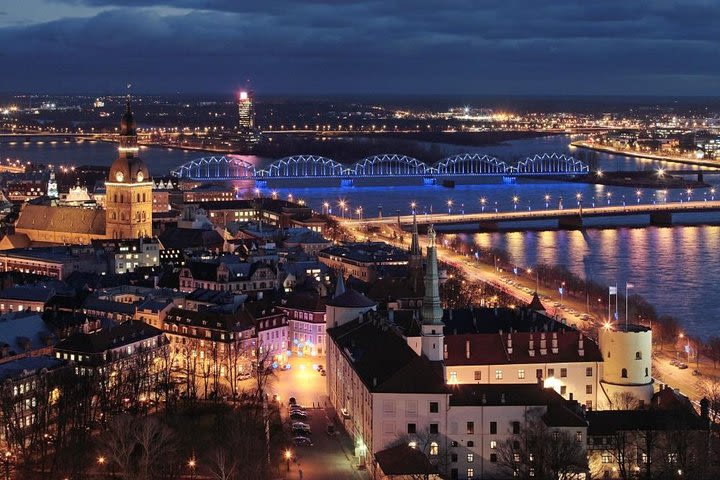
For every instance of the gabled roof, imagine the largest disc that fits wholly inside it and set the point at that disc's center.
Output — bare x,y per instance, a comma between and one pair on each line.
27,293
25,331
307,301
384,361
527,394
403,460
89,221
181,238
609,422
108,338
22,367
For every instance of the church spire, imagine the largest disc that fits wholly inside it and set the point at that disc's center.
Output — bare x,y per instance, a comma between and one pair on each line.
339,286
431,308
415,260
432,312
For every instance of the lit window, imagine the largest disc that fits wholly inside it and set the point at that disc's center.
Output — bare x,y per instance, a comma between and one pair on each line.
470,473
470,457
521,374
498,375
433,448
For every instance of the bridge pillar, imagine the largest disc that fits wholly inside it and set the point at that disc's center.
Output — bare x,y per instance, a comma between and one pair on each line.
572,223
488,226
661,219
346,182
429,181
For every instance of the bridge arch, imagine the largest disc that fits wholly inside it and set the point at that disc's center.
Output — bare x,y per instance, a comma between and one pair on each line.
550,163
391,164
298,166
216,168
471,164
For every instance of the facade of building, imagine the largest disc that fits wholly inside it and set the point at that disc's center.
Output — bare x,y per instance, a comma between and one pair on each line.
230,275
127,255
362,260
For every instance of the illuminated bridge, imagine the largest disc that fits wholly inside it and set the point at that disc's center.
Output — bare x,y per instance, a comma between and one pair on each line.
379,166
660,214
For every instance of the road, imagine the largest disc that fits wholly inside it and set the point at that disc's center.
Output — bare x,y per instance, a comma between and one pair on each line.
489,217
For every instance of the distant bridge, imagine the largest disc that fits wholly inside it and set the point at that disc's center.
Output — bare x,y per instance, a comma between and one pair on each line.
660,214
379,166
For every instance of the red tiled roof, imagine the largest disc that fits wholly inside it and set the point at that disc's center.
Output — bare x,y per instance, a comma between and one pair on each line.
492,348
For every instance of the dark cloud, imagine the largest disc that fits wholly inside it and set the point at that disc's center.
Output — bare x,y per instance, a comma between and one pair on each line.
423,46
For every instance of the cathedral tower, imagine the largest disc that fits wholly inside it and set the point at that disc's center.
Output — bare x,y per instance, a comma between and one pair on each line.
128,188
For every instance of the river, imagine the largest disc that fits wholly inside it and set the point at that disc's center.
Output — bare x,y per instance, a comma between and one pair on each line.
676,268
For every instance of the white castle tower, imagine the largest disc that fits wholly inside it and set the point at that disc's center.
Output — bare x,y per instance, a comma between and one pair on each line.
432,312
627,365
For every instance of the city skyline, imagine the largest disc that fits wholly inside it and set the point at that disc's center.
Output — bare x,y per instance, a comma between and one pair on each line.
361,47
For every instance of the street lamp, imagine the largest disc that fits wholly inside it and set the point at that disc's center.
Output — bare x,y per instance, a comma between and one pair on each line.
483,201
609,196
689,194
7,460
192,463
288,456
449,205
412,207
358,211
712,193
515,200
274,194
638,194
547,201
326,208
343,207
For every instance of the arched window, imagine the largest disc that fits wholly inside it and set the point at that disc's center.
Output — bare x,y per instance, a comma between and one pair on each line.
638,356
138,198
122,198
623,374
144,197
434,448
115,198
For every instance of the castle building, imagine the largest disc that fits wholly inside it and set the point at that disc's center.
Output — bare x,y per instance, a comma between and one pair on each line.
129,204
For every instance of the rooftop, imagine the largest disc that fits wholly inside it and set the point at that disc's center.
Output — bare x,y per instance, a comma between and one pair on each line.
384,361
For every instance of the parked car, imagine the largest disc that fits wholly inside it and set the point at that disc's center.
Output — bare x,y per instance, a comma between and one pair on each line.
330,430
300,425
696,373
682,366
301,441
297,407
292,401
297,415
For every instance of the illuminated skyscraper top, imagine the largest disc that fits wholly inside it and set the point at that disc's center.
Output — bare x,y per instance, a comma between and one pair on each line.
246,111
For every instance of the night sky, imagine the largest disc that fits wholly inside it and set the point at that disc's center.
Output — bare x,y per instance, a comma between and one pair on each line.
596,47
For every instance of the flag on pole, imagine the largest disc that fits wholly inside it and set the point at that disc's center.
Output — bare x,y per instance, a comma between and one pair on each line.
612,290
629,285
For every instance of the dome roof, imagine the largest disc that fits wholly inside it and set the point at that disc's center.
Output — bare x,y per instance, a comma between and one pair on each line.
127,122
127,169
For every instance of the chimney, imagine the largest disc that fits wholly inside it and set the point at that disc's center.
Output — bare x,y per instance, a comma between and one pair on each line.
467,349
509,344
374,381
554,343
502,398
581,346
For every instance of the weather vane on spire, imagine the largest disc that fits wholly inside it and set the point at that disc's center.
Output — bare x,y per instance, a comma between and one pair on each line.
129,86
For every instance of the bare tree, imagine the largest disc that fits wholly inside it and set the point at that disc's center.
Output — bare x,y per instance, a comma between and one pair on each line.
140,447
541,452
433,446
223,465
624,401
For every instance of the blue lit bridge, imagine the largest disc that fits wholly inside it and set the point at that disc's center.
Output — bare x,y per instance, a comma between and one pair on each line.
380,166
